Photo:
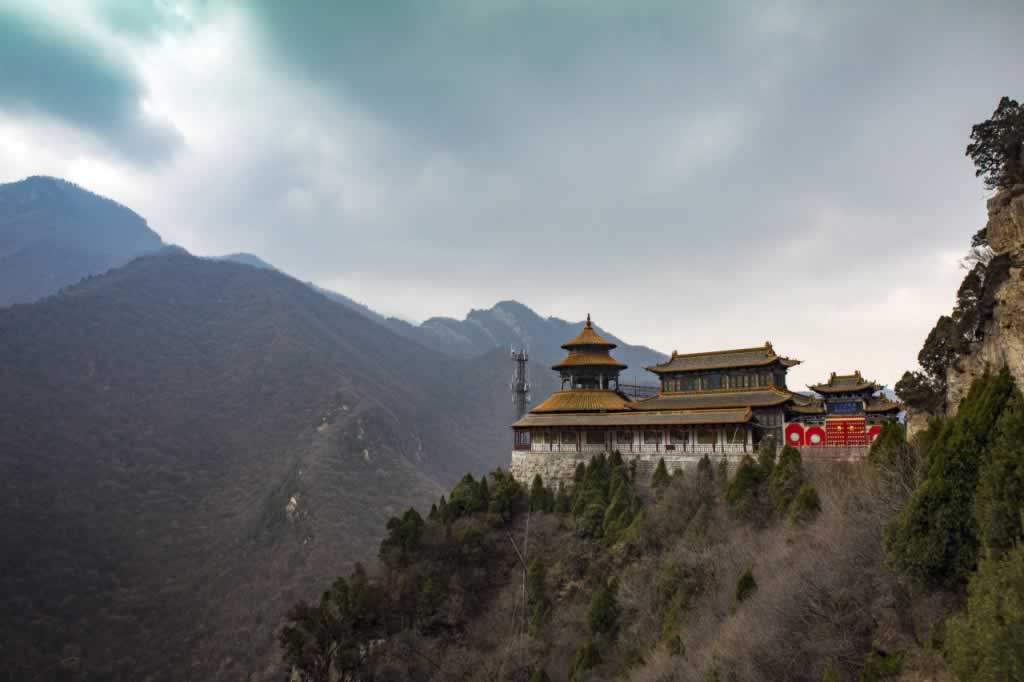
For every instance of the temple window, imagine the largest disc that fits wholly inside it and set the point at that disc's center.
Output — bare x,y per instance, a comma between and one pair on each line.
538,437
652,437
678,437
568,438
707,437
595,437
714,381
624,437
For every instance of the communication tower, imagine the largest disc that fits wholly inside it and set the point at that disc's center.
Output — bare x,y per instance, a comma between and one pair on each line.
520,382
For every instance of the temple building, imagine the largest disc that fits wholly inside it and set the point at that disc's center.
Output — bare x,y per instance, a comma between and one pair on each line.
718,403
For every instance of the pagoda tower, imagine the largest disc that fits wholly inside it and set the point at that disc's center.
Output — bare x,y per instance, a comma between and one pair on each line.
589,364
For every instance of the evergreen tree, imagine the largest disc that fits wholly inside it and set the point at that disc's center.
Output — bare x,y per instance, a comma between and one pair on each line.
705,477
540,675
539,604
660,479
986,642
786,479
805,505
935,536
1000,500
766,455
563,501
603,617
745,491
538,495
997,146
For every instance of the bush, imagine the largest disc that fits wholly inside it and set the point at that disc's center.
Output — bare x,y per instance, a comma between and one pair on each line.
805,505
787,478
986,643
660,479
585,658
745,493
881,667
746,586
603,617
766,455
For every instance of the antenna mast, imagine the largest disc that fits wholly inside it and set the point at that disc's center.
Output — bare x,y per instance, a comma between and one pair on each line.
520,382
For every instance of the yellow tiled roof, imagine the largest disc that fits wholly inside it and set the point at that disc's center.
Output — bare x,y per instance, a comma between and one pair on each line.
588,337
845,383
583,400
583,358
638,419
723,398
723,359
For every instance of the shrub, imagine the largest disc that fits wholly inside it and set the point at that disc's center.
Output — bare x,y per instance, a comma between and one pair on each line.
786,479
541,498
766,455
881,667
403,537
603,617
585,658
745,492
540,675
660,479
805,505
540,606
986,643
746,586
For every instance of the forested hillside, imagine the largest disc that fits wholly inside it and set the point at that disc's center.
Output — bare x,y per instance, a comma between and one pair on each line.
187,446
904,566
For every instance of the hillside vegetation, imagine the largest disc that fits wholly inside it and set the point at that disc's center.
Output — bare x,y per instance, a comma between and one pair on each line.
188,446
904,566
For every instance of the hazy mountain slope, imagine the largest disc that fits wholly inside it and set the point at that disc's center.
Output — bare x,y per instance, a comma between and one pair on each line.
54,233
510,323
187,446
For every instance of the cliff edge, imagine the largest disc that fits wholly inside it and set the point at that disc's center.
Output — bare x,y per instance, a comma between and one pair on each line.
1002,337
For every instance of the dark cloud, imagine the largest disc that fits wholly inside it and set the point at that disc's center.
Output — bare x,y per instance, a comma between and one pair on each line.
59,74
696,176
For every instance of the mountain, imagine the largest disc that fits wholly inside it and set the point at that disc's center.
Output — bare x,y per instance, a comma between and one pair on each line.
53,233
188,445
510,323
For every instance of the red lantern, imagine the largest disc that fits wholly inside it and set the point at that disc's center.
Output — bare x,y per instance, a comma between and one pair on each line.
794,434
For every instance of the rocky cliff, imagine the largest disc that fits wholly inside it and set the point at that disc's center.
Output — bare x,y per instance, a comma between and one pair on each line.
1002,341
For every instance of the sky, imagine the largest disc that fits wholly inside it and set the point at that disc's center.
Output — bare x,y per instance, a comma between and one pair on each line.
694,175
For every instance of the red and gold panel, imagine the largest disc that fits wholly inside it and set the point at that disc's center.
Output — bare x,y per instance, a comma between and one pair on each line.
794,434
844,431
814,436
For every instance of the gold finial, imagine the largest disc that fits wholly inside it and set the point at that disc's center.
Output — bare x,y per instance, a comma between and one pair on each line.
588,320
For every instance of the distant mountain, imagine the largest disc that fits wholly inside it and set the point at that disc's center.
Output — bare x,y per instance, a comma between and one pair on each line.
188,445
53,233
510,323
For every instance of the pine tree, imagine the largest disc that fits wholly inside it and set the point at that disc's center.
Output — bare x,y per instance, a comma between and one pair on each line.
540,605
660,479
745,491
986,642
538,494
935,537
999,504
786,479
603,617
766,455
563,501
805,505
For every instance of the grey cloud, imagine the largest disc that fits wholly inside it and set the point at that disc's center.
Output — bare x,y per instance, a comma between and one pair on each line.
49,71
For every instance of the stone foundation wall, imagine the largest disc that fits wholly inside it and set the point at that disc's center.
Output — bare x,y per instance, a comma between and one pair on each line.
556,467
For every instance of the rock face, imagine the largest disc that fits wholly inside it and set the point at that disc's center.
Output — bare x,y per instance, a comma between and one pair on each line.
1003,342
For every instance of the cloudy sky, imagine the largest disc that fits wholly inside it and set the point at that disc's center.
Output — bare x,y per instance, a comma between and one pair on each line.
696,175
